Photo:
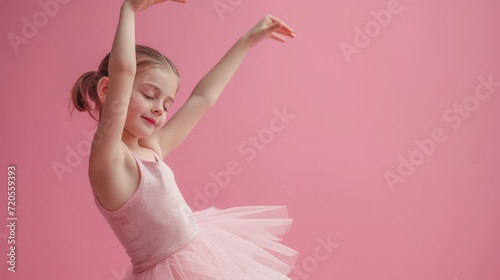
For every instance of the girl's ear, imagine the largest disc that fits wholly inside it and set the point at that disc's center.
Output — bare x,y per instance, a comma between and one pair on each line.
102,88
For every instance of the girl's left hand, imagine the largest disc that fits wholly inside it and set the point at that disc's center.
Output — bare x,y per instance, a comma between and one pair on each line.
268,27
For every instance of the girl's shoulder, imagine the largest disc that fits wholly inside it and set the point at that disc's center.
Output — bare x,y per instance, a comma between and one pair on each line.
114,182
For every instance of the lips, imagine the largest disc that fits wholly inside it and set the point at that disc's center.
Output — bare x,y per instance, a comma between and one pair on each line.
151,121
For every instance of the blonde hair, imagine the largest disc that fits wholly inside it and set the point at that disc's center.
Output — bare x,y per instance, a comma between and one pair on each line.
84,95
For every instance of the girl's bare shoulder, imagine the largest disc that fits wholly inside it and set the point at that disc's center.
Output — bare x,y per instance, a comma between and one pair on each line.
114,182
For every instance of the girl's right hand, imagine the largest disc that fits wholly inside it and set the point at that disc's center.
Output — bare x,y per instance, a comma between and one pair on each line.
139,5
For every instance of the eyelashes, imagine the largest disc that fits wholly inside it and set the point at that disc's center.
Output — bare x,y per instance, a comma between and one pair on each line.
152,98
147,96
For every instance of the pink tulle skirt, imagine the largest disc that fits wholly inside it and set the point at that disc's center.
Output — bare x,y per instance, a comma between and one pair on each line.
237,243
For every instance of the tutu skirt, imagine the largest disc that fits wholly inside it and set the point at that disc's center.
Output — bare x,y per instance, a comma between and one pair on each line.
239,243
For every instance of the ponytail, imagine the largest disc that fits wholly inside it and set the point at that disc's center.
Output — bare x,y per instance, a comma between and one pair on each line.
84,94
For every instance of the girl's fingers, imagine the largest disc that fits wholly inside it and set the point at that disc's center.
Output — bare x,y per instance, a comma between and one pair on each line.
269,27
277,37
288,33
278,27
285,26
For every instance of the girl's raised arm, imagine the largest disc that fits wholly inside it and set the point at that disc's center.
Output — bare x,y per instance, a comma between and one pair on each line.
115,92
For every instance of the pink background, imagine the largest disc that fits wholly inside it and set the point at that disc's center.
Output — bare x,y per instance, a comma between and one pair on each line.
357,117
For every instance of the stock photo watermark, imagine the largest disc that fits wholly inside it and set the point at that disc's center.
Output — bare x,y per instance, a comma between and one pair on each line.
12,218
222,7
373,28
453,116
75,154
248,149
31,25
323,251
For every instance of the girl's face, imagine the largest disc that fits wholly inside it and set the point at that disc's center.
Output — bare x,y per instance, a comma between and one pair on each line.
152,95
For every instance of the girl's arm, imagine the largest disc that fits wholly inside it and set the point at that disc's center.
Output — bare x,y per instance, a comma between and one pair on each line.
208,90
107,164
116,90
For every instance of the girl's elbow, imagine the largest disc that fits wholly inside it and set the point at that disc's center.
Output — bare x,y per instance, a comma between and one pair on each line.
122,69
208,99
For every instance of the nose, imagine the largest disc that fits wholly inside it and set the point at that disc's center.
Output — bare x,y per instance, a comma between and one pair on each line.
158,110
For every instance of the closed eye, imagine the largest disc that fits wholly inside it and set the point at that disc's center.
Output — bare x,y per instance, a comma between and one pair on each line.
150,97
147,96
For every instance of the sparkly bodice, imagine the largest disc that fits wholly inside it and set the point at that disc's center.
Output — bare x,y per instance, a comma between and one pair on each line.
156,221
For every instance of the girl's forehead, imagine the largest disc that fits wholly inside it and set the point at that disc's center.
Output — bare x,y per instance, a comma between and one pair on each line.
159,77
153,72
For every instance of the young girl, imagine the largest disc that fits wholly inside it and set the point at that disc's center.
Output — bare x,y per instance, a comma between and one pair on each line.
136,191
